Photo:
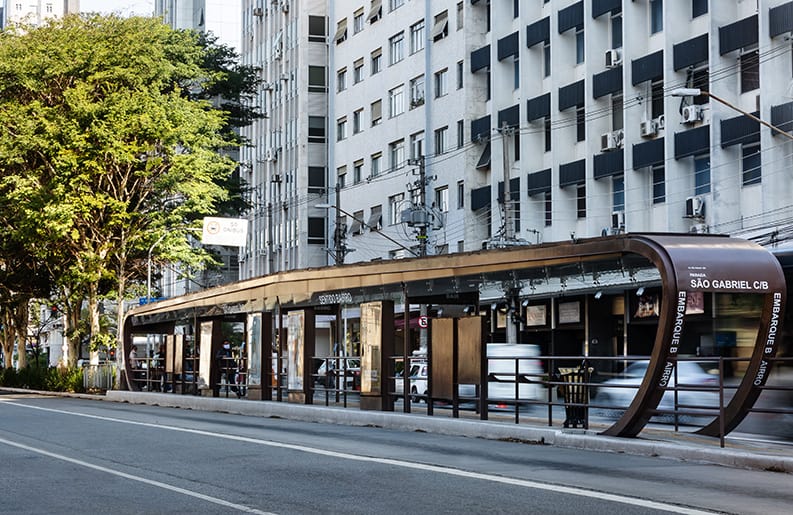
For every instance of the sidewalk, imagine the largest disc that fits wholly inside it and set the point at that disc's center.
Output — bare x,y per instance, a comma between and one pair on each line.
739,452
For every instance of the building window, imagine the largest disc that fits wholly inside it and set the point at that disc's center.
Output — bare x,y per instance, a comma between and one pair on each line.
516,144
417,145
357,121
316,29
341,176
357,21
548,209
460,194
656,16
377,164
750,161
377,61
441,27
516,73
616,112
442,199
316,230
698,8
417,91
341,128
515,8
316,129
396,151
581,201
376,11
441,139
489,93
357,223
48,8
341,31
460,74
700,79
580,124
341,79
440,83
395,208
616,30
357,71
657,99
377,112
396,101
357,171
316,79
750,71
460,133
701,175
547,133
396,48
579,46
659,184
417,37
459,15
546,59
316,179
618,193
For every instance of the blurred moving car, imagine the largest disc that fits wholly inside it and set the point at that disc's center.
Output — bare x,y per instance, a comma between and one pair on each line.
332,368
508,363
620,391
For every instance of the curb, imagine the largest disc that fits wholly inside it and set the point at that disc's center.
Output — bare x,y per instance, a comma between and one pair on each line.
572,439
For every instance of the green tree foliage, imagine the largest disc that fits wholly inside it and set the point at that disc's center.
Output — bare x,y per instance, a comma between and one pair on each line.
102,153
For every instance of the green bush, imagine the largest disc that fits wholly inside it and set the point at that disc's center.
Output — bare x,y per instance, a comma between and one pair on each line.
49,379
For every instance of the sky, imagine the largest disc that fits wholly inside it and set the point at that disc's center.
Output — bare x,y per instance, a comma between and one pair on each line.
124,7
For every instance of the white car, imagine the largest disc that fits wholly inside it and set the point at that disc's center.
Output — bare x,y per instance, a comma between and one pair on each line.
620,391
332,368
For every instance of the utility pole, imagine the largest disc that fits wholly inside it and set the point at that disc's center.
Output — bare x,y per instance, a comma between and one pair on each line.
509,223
423,204
340,247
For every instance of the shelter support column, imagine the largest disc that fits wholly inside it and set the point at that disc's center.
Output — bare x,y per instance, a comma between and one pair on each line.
377,345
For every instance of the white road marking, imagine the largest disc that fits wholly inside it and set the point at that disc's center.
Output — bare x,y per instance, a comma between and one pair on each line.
655,505
139,479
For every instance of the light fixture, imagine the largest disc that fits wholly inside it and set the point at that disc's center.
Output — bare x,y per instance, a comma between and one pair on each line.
525,303
640,291
494,306
598,294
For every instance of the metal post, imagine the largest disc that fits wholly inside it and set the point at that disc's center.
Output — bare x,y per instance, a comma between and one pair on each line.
423,203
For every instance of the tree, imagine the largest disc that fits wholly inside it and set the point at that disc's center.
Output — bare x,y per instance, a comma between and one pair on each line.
102,153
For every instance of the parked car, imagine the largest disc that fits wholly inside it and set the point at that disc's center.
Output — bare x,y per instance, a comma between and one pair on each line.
503,359
620,391
348,368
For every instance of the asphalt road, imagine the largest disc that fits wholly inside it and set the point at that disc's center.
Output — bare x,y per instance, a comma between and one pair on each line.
61,455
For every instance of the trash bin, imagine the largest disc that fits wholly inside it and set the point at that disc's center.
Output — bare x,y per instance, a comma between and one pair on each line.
575,389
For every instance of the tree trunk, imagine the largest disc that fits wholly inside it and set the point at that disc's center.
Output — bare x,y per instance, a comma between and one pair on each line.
21,328
7,335
94,325
121,351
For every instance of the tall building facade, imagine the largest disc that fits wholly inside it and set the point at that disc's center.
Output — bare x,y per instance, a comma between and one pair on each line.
221,17
579,106
35,11
286,162
450,126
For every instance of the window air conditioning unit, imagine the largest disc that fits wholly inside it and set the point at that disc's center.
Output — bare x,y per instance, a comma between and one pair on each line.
276,178
613,58
649,128
695,207
258,11
270,155
660,122
699,228
611,140
285,6
692,114
618,219
266,86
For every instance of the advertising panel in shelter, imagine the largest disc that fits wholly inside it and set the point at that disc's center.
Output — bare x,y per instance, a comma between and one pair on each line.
371,346
296,323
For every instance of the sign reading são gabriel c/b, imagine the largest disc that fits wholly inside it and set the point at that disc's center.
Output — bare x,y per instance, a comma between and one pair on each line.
231,232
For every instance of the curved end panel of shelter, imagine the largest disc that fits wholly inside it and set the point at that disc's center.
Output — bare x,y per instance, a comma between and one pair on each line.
772,283
651,390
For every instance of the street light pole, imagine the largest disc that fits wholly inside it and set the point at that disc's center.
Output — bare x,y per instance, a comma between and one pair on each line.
695,92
